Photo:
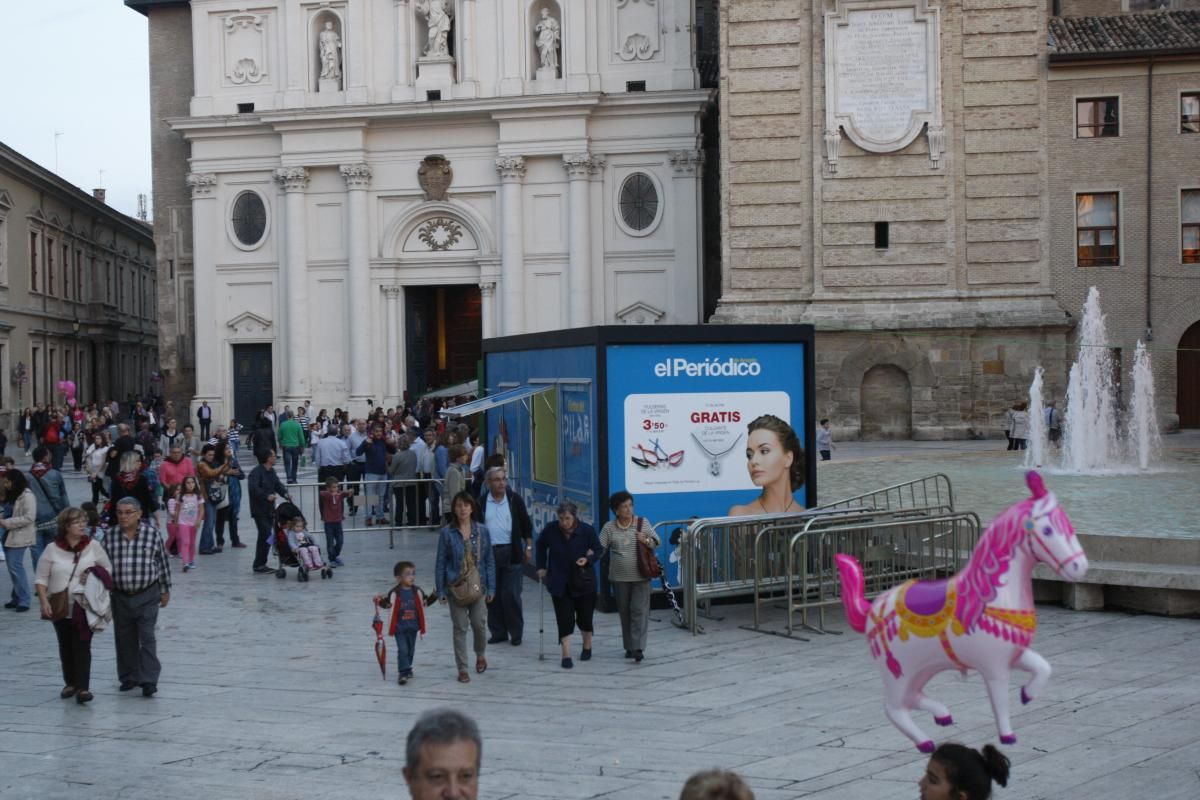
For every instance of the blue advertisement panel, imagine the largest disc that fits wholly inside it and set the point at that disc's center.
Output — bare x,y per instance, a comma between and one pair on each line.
547,440
707,430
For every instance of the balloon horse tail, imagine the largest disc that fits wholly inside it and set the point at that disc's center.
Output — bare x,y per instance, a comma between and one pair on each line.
853,592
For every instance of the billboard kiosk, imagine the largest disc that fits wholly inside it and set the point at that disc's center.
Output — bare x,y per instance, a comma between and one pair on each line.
660,411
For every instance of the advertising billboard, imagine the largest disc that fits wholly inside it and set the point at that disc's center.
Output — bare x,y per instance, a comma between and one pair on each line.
708,430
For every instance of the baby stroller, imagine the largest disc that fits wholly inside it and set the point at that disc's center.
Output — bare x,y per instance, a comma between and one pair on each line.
286,551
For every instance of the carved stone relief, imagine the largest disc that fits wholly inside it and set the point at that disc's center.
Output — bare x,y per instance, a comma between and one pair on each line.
640,313
435,176
440,234
245,49
329,55
637,30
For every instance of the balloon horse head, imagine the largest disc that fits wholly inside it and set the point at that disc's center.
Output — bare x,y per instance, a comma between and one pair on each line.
981,619
68,388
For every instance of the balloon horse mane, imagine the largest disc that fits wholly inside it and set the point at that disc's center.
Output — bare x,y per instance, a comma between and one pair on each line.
982,618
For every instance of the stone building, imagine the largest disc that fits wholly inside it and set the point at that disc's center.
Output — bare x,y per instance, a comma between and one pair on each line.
77,293
378,184
883,174
1123,130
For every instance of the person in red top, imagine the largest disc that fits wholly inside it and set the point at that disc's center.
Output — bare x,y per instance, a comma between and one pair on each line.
175,468
333,499
408,616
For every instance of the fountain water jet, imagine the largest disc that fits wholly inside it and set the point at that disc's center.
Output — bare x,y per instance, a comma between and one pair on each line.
1092,437
1035,456
1144,438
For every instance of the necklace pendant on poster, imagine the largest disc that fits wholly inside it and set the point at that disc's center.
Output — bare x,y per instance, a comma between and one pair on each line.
714,466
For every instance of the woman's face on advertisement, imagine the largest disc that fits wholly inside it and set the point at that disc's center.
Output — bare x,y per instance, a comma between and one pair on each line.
766,458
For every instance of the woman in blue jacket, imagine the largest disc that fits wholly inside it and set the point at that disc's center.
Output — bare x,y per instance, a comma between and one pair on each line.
566,556
463,532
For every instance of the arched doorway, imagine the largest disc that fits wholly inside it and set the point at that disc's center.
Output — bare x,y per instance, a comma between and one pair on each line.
886,403
1187,378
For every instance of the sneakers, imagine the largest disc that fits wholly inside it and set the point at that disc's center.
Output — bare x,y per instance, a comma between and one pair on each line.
187,567
263,570
337,562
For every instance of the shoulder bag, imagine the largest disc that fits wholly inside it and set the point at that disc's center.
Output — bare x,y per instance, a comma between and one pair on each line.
60,602
648,566
467,590
218,493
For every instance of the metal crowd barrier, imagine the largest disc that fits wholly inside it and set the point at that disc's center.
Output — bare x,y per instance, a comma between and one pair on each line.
724,557
306,497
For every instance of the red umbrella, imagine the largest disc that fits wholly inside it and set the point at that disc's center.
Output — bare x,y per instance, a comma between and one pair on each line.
380,646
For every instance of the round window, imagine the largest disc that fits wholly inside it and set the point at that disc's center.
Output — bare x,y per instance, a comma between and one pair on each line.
638,202
249,219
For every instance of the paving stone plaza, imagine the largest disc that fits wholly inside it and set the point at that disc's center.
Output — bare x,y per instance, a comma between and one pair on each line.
270,690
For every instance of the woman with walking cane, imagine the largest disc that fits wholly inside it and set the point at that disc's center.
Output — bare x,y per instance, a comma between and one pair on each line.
566,555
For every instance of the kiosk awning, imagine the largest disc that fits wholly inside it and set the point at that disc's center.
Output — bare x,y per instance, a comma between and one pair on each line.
493,401
469,387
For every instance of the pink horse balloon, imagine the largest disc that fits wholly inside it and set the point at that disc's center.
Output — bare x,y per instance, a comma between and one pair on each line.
982,618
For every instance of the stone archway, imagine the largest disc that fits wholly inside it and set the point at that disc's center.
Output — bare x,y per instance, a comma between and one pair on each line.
1187,378
886,400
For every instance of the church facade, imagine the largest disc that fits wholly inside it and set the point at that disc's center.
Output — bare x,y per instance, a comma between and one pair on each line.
352,194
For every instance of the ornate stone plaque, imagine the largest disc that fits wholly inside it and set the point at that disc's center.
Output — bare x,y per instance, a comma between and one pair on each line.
882,76
434,175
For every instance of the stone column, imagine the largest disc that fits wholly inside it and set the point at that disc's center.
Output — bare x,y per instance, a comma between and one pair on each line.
487,304
466,59
294,275
512,244
206,339
402,91
596,189
579,276
685,198
393,299
358,281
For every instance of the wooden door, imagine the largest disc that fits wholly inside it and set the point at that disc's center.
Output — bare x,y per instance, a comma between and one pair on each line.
1187,376
253,385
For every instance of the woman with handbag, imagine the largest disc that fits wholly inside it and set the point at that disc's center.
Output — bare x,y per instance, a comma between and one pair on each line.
567,551
465,573
20,532
212,469
63,569
623,538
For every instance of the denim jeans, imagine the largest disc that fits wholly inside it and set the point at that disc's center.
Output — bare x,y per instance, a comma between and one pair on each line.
16,572
406,648
291,461
333,540
45,537
378,494
207,542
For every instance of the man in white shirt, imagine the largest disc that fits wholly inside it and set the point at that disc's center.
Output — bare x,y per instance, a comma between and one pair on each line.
511,532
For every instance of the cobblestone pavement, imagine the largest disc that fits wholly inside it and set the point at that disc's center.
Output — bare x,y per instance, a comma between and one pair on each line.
270,690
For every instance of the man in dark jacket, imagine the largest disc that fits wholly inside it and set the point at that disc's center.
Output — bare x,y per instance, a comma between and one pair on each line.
50,491
265,487
511,532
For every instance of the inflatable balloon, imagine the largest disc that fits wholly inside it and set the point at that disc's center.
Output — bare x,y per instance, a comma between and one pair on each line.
68,388
981,619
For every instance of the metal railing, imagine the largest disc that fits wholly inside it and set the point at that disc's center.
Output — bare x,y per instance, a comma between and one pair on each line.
723,557
306,497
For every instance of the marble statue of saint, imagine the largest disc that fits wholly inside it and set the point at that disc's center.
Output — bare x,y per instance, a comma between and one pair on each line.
548,35
437,20
330,44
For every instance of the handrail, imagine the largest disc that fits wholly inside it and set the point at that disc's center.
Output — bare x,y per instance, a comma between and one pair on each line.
310,494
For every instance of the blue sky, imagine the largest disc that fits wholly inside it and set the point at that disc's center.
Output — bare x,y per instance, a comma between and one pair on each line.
79,67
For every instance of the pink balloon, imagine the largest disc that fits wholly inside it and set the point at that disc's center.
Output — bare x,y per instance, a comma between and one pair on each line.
981,619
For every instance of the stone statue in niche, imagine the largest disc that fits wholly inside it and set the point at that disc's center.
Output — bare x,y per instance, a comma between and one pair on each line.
437,21
549,34
330,48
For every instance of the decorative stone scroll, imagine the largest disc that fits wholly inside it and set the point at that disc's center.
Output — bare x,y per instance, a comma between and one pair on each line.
883,76
245,48
201,183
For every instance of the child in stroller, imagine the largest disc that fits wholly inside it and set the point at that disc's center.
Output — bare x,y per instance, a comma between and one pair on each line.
294,546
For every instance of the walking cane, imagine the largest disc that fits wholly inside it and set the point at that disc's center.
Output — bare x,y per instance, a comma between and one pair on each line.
541,620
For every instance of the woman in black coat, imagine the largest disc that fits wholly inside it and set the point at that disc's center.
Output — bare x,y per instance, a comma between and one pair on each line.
567,551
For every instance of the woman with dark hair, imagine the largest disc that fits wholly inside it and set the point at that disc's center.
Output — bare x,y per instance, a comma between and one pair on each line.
20,532
64,567
212,469
775,461
622,537
956,772
567,551
461,543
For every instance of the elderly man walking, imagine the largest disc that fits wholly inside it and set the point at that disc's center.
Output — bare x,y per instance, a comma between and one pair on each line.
511,532
141,579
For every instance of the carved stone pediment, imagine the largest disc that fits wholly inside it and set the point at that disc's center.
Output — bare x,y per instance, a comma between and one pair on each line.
249,324
5,200
640,313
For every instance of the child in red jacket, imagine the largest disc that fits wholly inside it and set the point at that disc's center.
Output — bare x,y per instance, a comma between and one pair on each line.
408,616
